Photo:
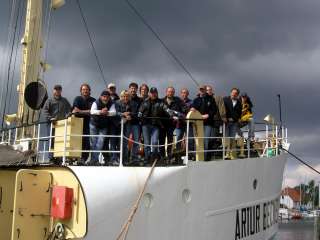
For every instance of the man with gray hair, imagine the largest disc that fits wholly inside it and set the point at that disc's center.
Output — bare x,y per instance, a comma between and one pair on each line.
55,108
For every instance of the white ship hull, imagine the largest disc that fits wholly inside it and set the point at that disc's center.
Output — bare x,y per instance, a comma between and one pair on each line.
204,200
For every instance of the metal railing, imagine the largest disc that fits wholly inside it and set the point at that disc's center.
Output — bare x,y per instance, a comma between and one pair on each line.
269,140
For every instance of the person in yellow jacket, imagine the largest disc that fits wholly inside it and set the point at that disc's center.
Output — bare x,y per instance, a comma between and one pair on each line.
247,115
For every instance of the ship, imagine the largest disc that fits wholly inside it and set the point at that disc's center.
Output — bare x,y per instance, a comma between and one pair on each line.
203,200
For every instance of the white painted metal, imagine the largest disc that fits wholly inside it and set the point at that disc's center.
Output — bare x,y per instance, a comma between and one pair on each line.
198,201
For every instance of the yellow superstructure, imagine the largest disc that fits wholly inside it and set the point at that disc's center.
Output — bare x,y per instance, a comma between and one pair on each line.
25,203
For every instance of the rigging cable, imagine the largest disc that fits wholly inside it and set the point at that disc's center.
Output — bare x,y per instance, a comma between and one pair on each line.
16,52
5,56
301,161
172,54
47,37
9,66
91,41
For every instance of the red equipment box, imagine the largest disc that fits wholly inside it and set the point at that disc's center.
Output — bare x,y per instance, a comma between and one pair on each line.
61,202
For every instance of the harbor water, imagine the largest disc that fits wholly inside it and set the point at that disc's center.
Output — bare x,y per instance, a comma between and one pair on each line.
296,230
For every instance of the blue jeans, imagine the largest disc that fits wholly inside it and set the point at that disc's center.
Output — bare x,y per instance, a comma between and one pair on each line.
232,128
97,142
208,132
179,135
114,141
150,136
135,130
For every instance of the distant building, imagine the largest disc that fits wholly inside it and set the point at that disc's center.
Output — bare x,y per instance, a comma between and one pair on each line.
290,198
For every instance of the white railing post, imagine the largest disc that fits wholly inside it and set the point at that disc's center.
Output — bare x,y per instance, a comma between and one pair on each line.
248,147
44,151
9,137
15,136
65,141
50,138
186,159
282,135
286,135
223,141
38,141
121,143
277,143
267,140
2,136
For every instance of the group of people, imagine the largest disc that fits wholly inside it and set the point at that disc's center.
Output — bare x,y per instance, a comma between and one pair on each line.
150,120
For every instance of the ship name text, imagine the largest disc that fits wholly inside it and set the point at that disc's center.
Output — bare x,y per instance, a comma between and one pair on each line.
252,219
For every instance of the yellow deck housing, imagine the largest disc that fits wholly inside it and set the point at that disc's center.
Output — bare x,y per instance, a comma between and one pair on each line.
25,202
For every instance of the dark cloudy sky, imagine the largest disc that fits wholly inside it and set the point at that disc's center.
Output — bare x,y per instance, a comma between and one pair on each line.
263,47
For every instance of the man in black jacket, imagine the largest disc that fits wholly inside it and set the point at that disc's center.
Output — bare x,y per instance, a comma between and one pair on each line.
206,105
101,112
150,111
233,114
135,123
178,108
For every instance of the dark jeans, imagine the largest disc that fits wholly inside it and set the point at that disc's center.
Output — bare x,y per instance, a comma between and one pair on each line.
85,143
150,136
166,132
97,142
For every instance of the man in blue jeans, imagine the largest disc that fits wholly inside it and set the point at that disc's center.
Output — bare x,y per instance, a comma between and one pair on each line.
150,111
135,122
206,105
101,111
233,113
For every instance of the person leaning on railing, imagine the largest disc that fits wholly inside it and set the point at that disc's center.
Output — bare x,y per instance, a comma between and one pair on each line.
55,108
101,111
151,111
233,113
179,109
206,105
81,108
127,109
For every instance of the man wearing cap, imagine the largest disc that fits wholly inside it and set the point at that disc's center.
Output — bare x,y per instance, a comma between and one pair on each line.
150,111
101,111
81,108
206,105
113,92
55,108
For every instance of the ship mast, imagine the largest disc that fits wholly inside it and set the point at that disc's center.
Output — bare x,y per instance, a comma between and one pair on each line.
30,69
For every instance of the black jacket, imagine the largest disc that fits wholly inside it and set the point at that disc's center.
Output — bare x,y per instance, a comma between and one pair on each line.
233,113
206,105
152,108
101,121
131,107
178,106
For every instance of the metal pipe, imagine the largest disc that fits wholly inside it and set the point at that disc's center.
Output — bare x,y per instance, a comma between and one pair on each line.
65,141
186,159
277,144
121,143
38,141
223,141
44,151
15,136
9,137
50,138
